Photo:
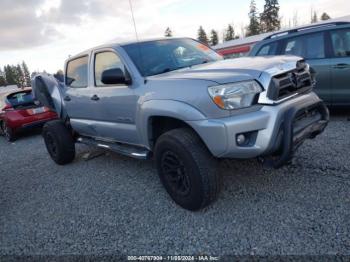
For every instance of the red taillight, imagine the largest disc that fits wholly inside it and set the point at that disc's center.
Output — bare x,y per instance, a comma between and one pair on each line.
7,107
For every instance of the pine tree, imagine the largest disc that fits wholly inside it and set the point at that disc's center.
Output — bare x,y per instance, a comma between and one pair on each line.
214,38
254,24
17,75
2,78
230,33
26,74
59,75
325,17
9,75
314,18
269,19
168,32
202,36
21,81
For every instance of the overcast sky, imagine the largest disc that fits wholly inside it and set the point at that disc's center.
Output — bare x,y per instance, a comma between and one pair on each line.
45,32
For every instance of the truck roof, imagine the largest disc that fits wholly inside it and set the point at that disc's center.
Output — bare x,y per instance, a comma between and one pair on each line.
113,44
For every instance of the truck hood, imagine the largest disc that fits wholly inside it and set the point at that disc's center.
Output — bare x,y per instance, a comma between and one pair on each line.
233,70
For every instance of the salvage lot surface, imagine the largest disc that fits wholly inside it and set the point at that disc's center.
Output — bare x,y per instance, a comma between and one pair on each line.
116,205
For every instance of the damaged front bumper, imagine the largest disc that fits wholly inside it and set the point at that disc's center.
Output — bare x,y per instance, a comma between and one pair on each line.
272,132
298,125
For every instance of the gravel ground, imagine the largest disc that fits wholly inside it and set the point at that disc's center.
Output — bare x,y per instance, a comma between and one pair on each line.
116,205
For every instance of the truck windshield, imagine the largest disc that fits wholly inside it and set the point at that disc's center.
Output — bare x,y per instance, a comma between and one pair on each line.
162,56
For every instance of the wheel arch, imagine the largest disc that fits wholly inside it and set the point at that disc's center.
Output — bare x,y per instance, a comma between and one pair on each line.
158,116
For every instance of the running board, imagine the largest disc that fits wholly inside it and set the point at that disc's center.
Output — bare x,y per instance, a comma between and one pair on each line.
126,150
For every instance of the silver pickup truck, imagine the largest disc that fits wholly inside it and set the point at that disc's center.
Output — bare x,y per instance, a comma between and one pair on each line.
178,101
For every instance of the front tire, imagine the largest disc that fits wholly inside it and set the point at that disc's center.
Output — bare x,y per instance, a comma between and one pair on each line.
59,142
187,169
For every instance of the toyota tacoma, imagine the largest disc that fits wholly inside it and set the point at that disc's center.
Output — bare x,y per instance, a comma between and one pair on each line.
177,101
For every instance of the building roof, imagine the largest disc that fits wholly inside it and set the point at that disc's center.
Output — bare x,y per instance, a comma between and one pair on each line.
242,41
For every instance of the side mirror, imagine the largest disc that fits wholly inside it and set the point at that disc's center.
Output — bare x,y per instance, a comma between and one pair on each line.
114,76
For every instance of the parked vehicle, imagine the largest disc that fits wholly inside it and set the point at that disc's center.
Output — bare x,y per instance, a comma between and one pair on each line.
180,102
325,47
19,112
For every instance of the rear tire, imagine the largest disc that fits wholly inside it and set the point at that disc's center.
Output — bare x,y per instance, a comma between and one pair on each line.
8,132
59,142
187,169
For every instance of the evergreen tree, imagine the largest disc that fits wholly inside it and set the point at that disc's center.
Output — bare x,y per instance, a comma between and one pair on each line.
20,79
2,78
214,38
59,75
9,75
314,18
254,24
202,36
168,32
3,81
269,19
230,33
26,74
325,17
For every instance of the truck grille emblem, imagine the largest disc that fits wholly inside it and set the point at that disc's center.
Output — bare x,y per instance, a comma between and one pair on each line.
293,78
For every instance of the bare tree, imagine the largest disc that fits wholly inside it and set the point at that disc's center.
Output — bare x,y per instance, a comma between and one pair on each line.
295,19
313,14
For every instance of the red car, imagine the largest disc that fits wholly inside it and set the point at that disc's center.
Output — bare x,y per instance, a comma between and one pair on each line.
19,112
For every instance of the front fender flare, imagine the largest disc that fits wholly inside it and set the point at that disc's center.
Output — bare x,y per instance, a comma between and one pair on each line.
167,108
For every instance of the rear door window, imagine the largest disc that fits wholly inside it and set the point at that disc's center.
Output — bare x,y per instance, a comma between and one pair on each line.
308,46
77,73
268,49
341,42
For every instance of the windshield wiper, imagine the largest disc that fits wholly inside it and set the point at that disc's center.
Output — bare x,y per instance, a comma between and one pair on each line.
166,70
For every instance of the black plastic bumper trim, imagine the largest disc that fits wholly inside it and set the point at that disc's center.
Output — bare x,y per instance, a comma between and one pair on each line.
291,141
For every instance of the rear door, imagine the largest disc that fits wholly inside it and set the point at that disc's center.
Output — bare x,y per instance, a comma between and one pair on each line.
312,48
340,65
77,98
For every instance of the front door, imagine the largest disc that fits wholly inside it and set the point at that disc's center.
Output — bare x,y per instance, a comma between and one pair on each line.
340,66
115,105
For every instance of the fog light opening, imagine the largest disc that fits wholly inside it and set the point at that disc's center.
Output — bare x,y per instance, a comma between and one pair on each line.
241,139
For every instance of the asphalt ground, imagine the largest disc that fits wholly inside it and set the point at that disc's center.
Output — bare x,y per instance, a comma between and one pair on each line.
113,205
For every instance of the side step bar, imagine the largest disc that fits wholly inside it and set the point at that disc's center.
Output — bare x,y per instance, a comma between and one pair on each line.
126,150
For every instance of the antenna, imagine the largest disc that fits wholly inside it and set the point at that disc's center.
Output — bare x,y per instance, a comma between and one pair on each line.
133,19
137,37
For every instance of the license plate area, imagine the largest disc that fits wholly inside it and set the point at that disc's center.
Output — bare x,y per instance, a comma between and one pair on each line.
36,111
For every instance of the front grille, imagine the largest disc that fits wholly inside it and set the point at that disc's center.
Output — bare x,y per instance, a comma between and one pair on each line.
298,80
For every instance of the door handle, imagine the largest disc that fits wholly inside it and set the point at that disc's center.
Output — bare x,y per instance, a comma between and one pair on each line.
95,98
67,98
341,66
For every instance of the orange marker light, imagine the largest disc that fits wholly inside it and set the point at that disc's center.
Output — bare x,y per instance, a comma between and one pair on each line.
218,101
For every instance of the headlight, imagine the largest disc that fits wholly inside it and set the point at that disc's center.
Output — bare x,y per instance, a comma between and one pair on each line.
235,95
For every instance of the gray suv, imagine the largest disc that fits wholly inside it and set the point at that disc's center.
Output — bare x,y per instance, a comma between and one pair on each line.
326,48
178,101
